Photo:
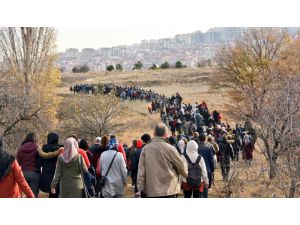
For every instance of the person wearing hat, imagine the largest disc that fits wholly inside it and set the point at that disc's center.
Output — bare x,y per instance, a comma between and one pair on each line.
135,162
226,155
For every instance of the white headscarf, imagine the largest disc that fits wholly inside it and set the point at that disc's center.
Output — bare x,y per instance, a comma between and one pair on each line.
70,149
181,145
192,150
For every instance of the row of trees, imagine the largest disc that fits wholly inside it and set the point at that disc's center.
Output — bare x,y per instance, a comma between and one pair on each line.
111,68
139,65
263,71
81,69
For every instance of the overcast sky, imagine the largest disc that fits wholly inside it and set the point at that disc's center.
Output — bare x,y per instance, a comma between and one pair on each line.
106,23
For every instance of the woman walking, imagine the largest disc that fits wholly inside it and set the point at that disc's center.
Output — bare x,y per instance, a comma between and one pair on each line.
11,177
69,169
49,155
192,155
28,159
113,164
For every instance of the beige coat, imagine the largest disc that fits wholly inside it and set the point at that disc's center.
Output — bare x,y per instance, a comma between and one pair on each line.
159,168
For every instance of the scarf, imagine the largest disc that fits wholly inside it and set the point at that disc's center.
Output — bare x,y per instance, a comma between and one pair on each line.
70,149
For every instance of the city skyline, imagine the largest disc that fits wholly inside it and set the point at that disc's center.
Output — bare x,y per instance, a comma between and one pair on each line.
107,37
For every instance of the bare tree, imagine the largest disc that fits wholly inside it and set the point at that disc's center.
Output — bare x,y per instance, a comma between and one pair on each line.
90,116
267,90
28,81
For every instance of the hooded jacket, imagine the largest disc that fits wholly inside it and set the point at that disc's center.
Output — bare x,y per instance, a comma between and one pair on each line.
28,157
11,177
49,155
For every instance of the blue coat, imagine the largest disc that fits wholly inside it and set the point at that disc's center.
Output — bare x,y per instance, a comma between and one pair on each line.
206,151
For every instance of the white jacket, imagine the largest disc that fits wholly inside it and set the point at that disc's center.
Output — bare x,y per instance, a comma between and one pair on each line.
192,152
117,174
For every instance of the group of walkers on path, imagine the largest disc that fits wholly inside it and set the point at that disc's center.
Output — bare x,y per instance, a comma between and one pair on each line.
159,166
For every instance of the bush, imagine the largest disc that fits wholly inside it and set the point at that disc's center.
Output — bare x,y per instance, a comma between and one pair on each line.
110,68
165,65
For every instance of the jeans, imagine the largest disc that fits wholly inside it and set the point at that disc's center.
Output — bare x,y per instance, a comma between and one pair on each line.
33,180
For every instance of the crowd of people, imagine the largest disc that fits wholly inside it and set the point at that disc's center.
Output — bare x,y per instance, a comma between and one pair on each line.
132,93
159,166
83,88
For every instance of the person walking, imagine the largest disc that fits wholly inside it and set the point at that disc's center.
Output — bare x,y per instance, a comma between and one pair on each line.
48,158
12,179
236,145
159,167
28,159
226,155
207,152
83,144
193,156
68,173
135,162
97,149
248,148
113,167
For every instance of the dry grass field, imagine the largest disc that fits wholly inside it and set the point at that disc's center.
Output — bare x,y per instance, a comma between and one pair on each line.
193,85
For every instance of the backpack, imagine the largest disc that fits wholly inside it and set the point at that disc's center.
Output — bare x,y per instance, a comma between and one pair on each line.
194,172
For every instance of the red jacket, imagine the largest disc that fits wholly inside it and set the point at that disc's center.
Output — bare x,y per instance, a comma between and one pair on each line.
85,157
9,186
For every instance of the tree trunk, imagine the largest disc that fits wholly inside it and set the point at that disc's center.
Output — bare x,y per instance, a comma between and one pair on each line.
272,171
292,189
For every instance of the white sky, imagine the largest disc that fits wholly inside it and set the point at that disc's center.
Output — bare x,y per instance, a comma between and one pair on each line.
106,23
108,37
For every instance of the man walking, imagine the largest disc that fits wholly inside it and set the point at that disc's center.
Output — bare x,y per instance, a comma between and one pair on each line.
159,167
206,151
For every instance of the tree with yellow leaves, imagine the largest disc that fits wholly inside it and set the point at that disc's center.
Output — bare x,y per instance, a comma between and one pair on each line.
263,70
28,82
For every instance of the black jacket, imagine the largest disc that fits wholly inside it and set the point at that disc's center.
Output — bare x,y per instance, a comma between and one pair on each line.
226,152
135,160
48,158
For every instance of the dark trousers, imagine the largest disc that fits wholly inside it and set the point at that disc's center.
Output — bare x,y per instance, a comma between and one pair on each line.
167,196
236,156
33,180
225,171
188,194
